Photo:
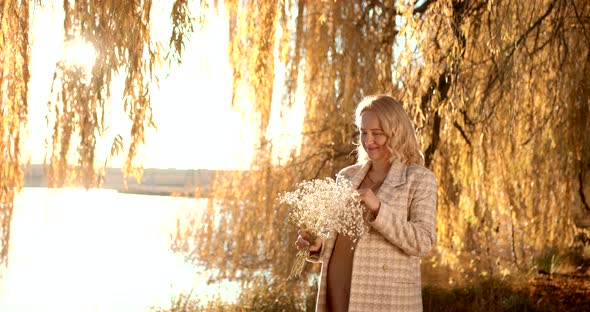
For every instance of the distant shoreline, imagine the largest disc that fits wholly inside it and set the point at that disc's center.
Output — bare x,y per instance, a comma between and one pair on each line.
161,182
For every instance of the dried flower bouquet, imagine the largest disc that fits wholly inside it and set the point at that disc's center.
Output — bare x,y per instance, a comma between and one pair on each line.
321,206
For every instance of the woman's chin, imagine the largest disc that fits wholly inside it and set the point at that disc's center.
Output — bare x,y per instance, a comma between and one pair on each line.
377,157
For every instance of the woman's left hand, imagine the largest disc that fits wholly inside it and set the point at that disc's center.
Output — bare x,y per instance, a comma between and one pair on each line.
370,200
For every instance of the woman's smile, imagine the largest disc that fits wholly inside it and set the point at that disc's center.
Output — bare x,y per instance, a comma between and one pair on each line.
373,137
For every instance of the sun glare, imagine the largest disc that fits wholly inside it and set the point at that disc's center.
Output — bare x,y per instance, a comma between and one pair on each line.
79,53
196,125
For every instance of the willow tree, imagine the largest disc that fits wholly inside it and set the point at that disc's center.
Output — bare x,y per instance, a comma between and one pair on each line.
14,75
502,90
120,33
332,53
498,91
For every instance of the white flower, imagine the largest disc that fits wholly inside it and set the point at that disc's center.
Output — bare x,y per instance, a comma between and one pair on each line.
321,206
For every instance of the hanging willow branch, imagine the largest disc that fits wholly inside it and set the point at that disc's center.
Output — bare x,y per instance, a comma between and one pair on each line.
478,78
14,76
120,33
333,53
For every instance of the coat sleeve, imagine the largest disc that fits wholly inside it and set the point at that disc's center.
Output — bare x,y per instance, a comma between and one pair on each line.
415,235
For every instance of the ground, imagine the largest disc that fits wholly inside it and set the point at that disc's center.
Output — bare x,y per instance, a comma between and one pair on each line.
560,292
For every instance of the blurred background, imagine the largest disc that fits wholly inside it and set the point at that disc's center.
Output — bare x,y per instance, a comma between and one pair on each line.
144,144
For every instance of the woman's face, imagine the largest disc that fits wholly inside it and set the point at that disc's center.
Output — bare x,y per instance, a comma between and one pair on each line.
373,138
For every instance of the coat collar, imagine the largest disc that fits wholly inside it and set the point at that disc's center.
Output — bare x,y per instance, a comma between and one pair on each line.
396,175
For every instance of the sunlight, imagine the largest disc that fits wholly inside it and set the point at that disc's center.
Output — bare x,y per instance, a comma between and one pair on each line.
196,127
192,106
286,124
98,250
79,53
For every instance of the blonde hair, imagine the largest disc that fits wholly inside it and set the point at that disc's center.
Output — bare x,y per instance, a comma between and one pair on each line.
401,142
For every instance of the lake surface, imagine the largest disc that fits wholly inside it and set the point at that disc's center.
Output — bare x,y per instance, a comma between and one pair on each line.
98,250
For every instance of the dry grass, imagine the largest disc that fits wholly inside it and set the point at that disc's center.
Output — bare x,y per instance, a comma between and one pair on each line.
558,281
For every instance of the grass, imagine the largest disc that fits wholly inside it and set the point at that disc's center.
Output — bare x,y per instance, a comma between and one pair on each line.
490,294
262,295
558,281
536,292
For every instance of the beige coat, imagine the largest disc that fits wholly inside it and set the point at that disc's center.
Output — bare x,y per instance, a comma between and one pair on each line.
386,265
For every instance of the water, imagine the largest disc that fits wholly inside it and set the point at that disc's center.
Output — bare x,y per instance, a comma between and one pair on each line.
98,250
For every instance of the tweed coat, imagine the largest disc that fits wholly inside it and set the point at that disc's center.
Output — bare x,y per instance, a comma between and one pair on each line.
386,265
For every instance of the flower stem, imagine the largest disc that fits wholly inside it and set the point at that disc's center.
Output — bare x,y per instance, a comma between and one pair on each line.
299,263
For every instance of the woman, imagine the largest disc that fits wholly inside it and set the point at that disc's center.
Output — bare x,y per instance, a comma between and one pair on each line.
382,272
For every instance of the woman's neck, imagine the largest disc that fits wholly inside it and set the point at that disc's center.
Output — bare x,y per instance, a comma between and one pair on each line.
380,168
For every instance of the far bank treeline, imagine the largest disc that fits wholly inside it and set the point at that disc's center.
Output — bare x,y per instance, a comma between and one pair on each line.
499,92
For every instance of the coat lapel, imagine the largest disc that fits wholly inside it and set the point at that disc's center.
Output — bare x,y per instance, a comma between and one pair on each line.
396,175
359,176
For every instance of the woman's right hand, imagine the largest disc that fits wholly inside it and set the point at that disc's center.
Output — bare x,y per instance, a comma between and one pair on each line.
303,240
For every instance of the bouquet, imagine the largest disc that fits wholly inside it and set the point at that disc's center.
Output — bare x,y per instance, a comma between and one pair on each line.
321,206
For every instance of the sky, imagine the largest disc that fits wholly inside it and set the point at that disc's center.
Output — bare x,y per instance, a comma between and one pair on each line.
197,129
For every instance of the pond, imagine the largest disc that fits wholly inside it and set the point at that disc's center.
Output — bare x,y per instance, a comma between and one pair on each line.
98,250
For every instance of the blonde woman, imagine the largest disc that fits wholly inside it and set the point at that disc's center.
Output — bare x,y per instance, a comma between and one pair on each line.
382,272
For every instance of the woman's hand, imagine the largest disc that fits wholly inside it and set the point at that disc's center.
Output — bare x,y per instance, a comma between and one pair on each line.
303,240
370,200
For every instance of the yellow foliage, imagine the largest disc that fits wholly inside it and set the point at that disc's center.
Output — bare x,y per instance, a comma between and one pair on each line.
120,33
498,94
